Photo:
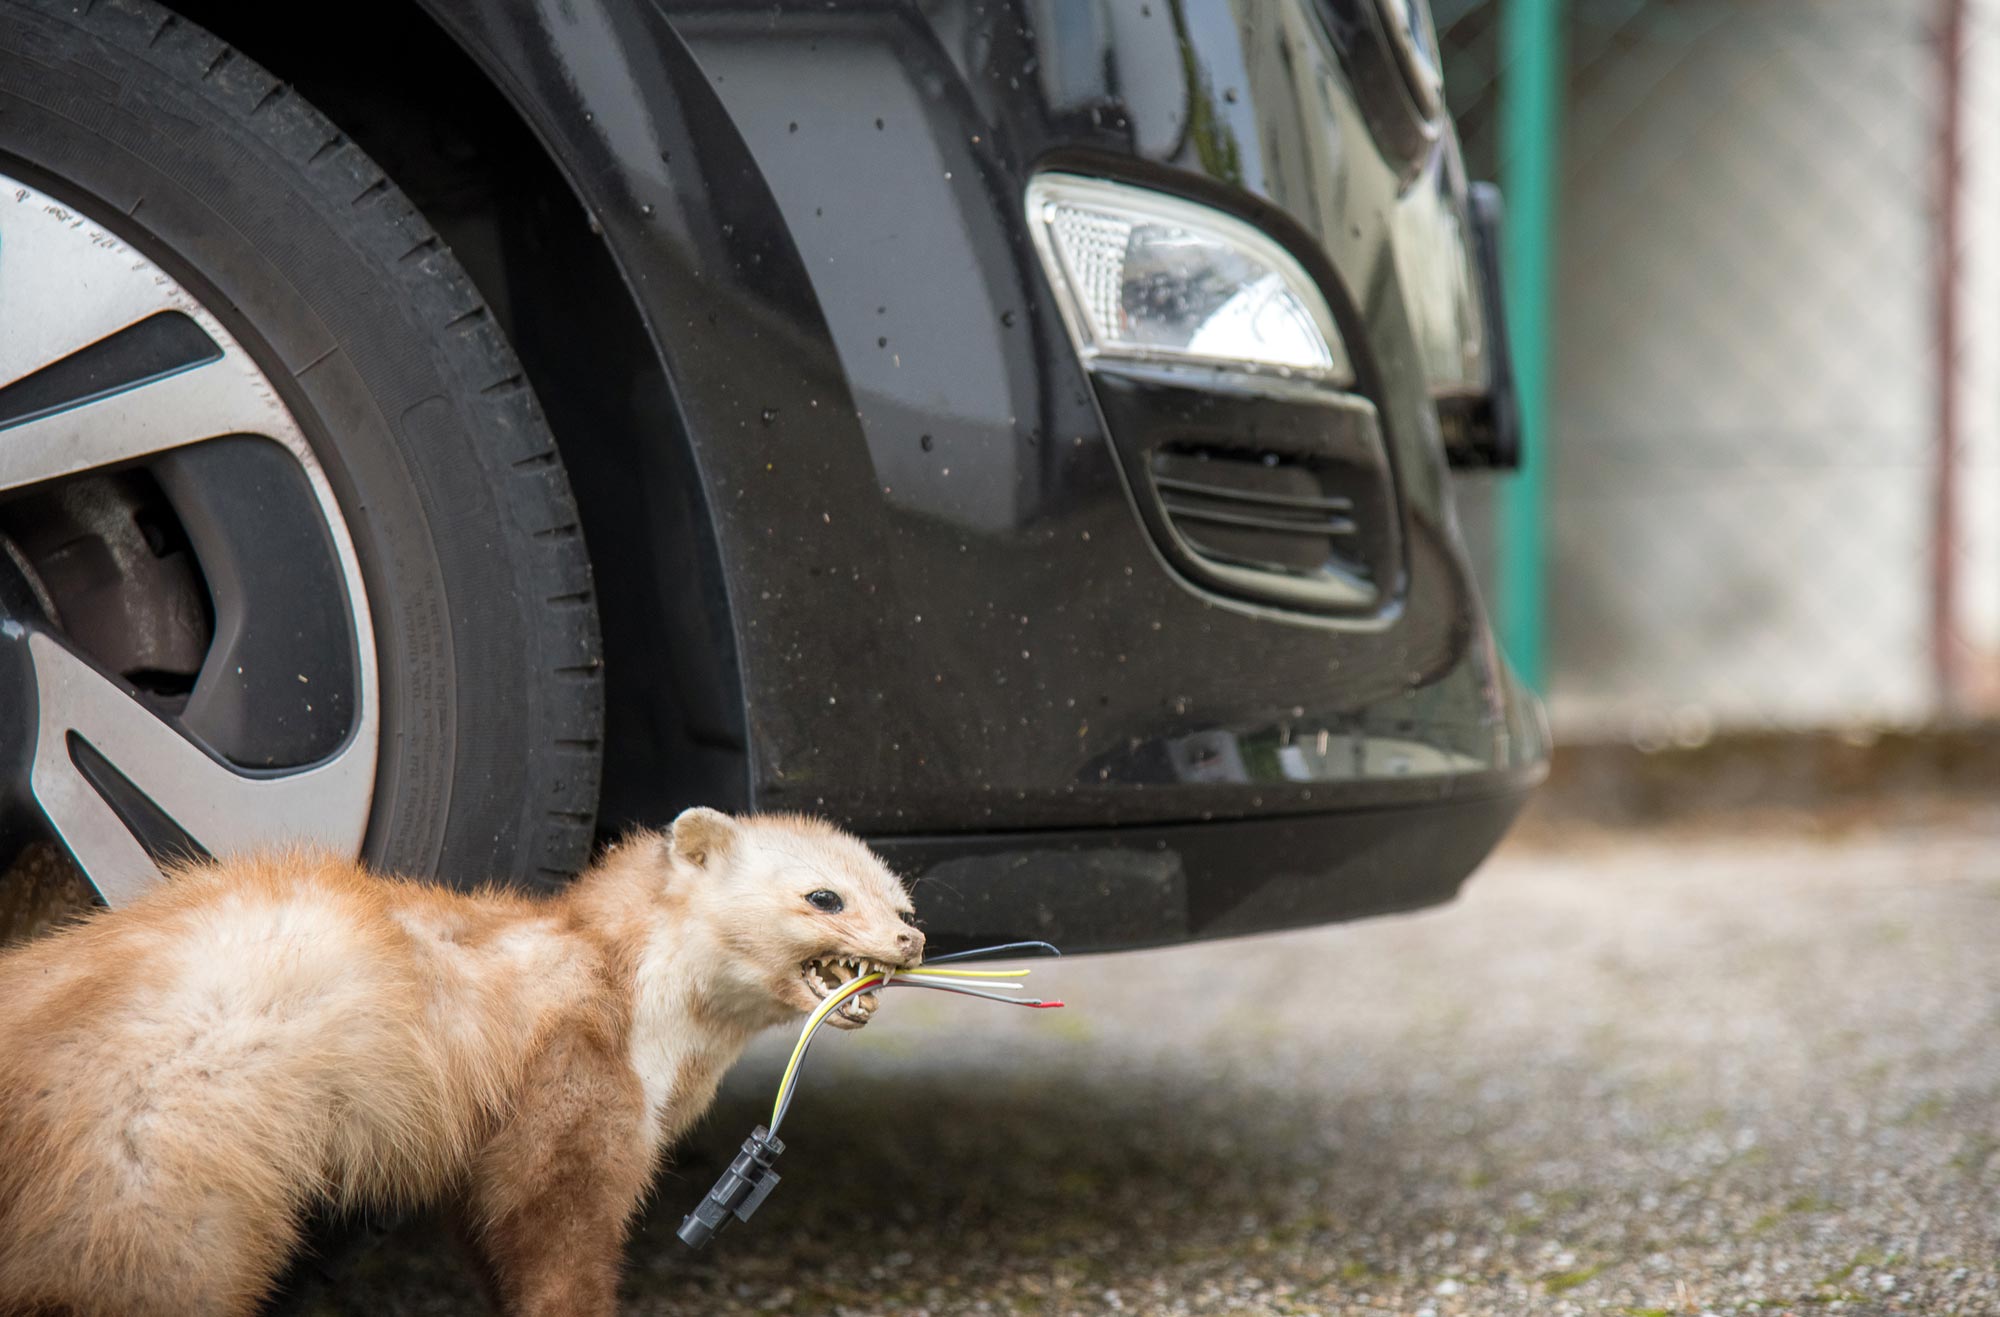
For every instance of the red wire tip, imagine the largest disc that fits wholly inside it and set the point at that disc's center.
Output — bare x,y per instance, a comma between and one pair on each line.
1042,1005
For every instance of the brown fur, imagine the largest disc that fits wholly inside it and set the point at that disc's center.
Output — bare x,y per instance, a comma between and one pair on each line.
183,1078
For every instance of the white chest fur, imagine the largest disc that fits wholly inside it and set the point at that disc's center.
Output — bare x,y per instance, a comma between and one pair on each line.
662,1038
677,1056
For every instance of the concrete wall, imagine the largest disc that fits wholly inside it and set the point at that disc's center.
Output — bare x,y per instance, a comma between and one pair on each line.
1746,373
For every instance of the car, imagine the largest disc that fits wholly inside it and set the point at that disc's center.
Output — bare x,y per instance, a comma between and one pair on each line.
449,431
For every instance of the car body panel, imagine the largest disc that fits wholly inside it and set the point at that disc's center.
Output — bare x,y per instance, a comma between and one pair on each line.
948,615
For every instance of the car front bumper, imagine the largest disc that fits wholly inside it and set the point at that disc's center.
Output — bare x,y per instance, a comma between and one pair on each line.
953,628
1106,889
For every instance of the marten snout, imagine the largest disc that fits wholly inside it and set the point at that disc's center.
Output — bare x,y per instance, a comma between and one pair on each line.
910,946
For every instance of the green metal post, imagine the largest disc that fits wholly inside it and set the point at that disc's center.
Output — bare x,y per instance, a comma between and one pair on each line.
1531,94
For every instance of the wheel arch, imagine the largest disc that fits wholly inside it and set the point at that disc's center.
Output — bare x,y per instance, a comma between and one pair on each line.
456,132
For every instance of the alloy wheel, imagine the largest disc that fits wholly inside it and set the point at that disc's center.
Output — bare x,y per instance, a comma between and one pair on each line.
187,664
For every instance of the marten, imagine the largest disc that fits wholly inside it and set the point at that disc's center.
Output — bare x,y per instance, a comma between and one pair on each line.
183,1080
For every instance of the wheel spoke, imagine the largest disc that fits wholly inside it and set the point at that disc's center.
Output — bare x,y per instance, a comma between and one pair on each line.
224,810
83,283
227,396
85,286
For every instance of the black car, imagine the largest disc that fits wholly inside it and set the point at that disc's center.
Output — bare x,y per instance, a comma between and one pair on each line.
446,430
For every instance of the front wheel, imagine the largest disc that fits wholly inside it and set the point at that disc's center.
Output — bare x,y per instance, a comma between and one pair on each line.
286,549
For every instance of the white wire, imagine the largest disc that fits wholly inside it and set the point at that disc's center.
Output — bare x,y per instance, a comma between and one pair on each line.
1002,985
935,982
936,986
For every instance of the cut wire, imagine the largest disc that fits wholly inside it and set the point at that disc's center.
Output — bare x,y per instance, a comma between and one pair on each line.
1036,1002
987,984
966,983
980,952
827,1006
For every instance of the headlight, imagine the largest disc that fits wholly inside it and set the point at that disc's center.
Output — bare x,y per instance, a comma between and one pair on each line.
1142,276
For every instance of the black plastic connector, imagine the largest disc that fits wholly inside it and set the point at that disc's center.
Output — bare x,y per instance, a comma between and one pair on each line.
741,1190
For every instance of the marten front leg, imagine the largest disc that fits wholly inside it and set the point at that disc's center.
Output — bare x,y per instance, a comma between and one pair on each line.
553,1191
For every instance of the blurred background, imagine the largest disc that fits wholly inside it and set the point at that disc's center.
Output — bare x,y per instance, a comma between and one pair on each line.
1756,264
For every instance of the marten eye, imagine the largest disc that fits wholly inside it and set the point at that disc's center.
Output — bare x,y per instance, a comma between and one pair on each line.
827,901
909,917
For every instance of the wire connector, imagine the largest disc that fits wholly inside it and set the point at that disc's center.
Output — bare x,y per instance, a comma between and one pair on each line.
750,1179
740,1192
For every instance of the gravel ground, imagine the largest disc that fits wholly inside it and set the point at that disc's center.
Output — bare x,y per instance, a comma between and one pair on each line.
1665,1075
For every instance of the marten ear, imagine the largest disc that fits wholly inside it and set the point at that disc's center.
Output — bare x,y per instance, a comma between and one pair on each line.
703,835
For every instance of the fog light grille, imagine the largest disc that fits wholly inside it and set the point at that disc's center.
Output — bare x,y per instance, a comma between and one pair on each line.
1266,511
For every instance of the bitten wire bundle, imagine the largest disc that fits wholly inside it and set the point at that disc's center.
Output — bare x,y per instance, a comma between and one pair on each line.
752,1175
990,984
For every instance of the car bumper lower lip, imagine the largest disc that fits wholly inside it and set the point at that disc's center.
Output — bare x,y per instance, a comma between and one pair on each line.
1106,889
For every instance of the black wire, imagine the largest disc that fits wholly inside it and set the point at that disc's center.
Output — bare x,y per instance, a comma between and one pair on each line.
1004,947
798,1072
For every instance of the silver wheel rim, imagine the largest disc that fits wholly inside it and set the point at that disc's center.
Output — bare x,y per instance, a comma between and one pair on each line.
67,283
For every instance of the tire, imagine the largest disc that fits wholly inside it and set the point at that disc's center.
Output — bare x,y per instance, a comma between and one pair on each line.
430,438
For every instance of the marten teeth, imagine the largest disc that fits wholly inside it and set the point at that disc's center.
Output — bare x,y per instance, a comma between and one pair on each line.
830,972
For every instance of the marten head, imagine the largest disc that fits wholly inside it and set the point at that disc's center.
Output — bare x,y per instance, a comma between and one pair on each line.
796,907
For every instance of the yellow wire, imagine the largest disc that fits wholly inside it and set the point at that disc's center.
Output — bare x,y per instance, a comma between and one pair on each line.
828,1003
831,1002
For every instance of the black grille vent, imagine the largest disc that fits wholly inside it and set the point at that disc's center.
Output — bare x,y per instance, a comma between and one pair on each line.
1263,511
1277,494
